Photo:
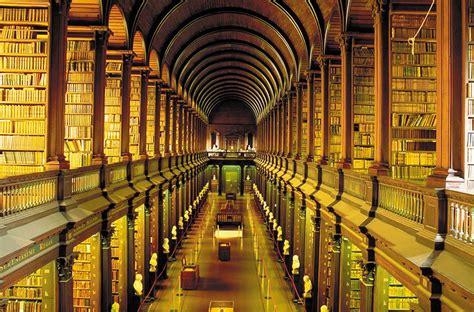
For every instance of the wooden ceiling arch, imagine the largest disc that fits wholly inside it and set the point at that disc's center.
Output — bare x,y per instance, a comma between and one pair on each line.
86,12
264,45
119,28
139,49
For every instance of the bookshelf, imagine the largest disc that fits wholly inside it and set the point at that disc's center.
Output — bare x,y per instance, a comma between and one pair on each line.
294,118
139,240
351,272
390,294
135,99
363,106
119,264
170,130
162,122
150,119
317,118
335,102
86,276
79,101
33,293
469,118
113,110
413,100
304,121
24,66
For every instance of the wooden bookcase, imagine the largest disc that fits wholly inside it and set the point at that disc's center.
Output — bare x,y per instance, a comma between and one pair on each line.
390,294
86,275
363,100
79,99
113,110
351,272
34,293
335,108
304,122
469,117
162,122
170,130
150,119
413,100
317,118
118,247
139,240
294,147
24,66
135,99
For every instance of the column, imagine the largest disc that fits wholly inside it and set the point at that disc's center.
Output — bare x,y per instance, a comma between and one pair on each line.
242,180
65,282
450,94
101,39
299,119
345,44
323,65
310,126
106,269
56,130
157,119
174,132
336,272
179,127
143,112
291,108
367,283
130,260
125,130
162,258
167,124
147,248
220,178
316,223
380,12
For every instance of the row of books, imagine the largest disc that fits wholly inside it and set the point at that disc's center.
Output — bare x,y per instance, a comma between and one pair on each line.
414,96
114,92
80,45
14,142
78,125
413,107
470,155
24,292
399,304
414,84
80,87
364,98
424,33
368,118
414,158
403,146
75,146
9,170
413,59
364,72
112,144
361,163
114,66
363,61
411,172
26,63
112,121
412,21
413,120
23,95
79,97
80,56
407,134
363,80
24,306
80,66
23,14
22,127
363,152
81,78
35,47
22,33
335,139
413,71
23,79
470,139
404,52
363,139
78,109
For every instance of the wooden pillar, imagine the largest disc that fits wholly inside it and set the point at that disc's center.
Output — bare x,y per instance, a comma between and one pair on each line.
101,39
147,248
310,125
345,44
56,99
157,133
291,107
174,132
380,12
316,223
335,272
143,112
323,65
125,130
186,135
367,283
65,282
275,130
220,178
167,123
106,268
181,129
450,94
284,126
242,179
299,119
130,259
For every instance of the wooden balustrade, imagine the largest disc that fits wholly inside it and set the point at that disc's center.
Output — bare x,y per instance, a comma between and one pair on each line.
118,173
460,218
402,200
329,177
138,169
355,186
24,192
83,181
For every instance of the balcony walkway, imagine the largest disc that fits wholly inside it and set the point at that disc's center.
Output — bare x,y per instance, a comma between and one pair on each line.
236,280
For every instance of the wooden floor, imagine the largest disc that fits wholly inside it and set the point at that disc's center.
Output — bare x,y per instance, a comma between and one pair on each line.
238,280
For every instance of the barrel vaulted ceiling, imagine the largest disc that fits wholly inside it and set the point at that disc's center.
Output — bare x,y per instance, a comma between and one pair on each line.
211,52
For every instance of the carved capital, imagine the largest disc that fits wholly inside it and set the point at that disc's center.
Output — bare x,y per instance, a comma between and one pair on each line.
64,266
322,61
377,6
128,59
344,41
368,272
302,213
105,237
316,223
102,36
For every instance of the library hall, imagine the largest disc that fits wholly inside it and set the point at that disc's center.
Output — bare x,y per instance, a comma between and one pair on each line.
236,155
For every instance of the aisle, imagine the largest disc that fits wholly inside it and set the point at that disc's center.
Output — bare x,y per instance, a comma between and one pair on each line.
235,280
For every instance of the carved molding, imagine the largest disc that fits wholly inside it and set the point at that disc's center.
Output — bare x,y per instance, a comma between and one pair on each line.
64,266
377,6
